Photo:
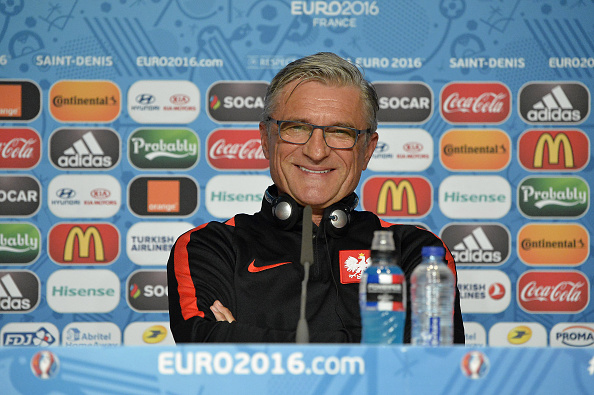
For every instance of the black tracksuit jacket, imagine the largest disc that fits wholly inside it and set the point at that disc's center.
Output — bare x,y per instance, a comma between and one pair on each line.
253,267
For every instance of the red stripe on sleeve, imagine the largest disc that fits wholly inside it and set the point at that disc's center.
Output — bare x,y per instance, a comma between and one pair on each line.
185,286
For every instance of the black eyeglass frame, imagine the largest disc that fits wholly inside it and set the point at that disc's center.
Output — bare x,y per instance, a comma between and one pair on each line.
322,128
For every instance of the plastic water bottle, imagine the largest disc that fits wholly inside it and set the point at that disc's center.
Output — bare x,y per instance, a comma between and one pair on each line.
382,293
432,296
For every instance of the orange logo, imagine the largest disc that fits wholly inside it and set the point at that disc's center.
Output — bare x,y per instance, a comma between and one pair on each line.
468,149
397,197
547,150
10,101
162,196
85,101
553,244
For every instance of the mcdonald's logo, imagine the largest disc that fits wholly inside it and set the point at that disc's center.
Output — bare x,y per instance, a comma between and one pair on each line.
561,150
391,197
86,244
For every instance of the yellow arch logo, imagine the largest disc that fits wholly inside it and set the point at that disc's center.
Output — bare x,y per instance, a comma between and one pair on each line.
397,192
554,145
84,243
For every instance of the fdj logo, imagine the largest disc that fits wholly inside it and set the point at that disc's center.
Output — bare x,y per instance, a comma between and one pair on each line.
567,197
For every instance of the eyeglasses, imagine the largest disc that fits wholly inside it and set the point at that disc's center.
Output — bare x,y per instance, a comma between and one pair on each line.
340,137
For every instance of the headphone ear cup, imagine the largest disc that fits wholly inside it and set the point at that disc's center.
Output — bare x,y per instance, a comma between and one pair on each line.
286,212
338,219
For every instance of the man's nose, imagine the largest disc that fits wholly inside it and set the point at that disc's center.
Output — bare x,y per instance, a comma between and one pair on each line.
316,146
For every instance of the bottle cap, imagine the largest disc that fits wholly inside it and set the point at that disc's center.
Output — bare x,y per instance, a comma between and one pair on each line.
383,240
435,251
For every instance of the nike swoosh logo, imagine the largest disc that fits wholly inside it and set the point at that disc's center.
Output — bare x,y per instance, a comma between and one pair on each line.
255,269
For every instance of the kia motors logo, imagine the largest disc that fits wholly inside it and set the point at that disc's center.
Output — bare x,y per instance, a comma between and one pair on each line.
404,102
179,99
147,291
20,101
550,150
19,148
477,243
553,291
84,196
402,150
231,149
20,243
486,150
553,197
84,244
554,103
169,149
236,101
20,196
475,102
84,149
475,197
392,197
163,196
19,291
555,244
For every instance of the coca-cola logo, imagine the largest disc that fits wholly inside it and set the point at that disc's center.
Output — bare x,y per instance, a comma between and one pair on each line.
19,148
553,291
472,102
230,149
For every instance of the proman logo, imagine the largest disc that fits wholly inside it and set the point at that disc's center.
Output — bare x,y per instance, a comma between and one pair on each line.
20,101
84,244
397,197
486,150
553,244
549,150
85,101
553,197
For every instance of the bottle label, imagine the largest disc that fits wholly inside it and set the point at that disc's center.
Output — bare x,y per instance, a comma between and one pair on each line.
385,292
434,331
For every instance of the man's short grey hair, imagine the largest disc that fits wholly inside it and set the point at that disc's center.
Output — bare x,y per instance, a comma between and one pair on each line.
327,68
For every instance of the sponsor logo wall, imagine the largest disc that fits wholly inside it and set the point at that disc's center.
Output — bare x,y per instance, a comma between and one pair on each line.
146,125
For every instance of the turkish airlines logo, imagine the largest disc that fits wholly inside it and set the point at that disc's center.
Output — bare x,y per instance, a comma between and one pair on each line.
84,244
236,101
397,197
19,148
477,244
474,102
20,101
553,291
85,101
231,149
554,103
84,149
484,291
546,150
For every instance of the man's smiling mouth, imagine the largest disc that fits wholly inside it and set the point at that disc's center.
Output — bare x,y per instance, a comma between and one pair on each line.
314,171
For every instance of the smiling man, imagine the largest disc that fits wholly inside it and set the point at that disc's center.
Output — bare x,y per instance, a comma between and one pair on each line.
240,281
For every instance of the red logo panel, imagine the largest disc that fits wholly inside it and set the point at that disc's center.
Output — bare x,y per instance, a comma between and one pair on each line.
19,148
84,244
549,150
474,102
553,291
233,149
397,196
352,265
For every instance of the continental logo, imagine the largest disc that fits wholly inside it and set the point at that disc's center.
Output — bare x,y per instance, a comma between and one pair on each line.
84,244
20,101
553,244
85,101
486,150
397,197
553,197
169,149
546,150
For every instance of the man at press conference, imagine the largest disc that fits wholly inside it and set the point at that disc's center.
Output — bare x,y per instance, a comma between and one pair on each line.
241,280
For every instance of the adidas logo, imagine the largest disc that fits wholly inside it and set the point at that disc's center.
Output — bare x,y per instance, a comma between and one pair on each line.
85,152
11,298
554,107
476,248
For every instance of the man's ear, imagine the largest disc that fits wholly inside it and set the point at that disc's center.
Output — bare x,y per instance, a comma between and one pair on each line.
264,139
371,144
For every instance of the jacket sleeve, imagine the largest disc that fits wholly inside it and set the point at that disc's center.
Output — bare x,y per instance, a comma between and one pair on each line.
200,270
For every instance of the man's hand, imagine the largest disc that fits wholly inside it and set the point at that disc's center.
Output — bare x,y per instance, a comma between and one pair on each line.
221,313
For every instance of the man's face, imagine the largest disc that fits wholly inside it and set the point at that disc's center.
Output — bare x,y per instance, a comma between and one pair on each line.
313,173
